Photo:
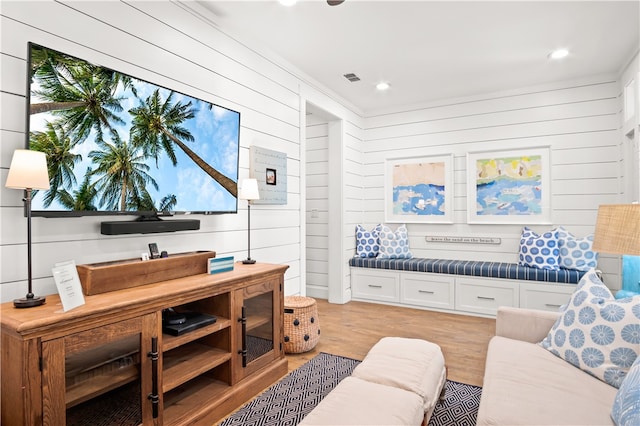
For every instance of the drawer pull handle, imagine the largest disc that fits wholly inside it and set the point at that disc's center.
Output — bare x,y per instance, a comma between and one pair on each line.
552,305
375,286
426,291
486,298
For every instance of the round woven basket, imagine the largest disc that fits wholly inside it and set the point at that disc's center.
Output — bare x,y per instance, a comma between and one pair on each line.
301,324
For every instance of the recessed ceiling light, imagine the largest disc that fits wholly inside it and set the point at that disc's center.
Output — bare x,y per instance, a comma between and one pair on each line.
382,85
287,2
559,54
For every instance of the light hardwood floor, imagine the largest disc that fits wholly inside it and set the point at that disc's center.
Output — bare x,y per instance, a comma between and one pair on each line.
352,329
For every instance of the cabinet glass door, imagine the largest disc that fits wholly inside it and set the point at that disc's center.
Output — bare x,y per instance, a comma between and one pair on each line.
259,330
259,337
101,376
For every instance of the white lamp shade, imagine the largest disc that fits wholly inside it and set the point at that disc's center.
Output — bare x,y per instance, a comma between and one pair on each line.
249,190
28,170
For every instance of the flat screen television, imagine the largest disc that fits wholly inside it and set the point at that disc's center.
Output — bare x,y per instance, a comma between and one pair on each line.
119,145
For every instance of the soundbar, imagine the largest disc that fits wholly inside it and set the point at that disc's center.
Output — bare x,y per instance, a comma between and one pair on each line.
148,226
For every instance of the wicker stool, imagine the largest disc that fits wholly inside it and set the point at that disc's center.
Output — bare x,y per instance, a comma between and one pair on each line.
301,325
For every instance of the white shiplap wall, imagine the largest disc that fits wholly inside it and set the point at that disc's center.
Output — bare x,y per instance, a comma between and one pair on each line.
333,176
168,44
354,193
579,120
317,205
165,43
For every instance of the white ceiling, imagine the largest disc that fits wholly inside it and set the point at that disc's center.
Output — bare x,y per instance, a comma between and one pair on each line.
432,50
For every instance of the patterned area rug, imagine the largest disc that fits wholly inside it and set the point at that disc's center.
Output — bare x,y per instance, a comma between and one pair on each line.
293,397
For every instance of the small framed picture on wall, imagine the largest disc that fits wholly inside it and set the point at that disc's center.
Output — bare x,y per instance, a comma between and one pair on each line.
270,177
269,168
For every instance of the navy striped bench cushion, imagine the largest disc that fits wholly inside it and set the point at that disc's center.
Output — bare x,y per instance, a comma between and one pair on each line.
471,267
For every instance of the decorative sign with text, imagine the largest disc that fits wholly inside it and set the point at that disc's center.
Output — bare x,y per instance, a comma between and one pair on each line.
269,168
68,283
466,240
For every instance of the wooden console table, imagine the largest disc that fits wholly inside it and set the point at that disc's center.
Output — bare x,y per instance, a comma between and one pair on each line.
56,364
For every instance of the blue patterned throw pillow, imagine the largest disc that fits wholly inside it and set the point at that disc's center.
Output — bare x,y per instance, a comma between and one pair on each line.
394,245
626,405
539,251
576,253
367,242
597,333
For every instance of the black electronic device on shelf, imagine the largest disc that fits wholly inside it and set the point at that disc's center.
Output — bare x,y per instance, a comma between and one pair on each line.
184,322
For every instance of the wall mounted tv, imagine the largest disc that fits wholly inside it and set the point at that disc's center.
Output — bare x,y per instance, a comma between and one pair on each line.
119,145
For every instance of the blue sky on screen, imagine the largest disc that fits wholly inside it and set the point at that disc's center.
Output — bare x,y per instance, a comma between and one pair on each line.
216,136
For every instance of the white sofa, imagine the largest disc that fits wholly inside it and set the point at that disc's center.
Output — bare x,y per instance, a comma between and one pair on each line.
524,384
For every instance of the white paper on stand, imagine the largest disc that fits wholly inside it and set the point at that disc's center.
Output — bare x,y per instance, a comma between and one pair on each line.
67,281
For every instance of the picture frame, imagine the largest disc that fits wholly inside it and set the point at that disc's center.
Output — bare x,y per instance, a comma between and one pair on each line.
419,189
269,169
509,186
270,177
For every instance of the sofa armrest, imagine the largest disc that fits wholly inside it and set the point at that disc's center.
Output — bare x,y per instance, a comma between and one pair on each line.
529,325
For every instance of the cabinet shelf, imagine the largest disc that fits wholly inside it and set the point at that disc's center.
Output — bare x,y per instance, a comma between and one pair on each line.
97,385
183,405
171,342
257,321
188,361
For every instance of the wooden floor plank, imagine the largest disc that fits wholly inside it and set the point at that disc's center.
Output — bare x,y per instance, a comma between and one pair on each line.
353,328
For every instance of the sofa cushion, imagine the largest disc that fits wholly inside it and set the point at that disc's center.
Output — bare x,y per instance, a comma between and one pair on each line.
526,385
476,268
576,253
626,406
394,244
367,242
597,333
539,251
359,402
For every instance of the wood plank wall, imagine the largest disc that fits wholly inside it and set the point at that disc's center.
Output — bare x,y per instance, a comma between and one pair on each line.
579,120
167,44
317,205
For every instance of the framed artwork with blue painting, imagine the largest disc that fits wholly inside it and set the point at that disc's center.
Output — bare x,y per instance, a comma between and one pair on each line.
511,186
419,189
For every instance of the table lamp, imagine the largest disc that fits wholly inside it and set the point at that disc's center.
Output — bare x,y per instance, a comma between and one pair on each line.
28,171
618,232
249,191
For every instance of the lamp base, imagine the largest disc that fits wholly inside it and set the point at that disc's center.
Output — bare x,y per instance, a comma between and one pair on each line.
249,261
29,302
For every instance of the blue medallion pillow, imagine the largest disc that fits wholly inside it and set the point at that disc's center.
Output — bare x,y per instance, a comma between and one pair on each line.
626,405
576,253
394,245
539,251
597,333
367,242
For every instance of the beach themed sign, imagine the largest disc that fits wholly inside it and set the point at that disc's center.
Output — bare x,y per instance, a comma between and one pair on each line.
419,189
509,186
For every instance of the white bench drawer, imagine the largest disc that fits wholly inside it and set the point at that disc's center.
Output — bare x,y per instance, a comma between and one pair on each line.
376,285
484,297
548,297
431,290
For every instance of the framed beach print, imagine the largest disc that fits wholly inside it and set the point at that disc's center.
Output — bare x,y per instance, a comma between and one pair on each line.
419,189
511,186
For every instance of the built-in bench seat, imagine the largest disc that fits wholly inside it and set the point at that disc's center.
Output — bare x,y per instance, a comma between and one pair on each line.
464,286
471,267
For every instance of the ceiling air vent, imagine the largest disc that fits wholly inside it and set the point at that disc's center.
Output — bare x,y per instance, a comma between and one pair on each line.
352,77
